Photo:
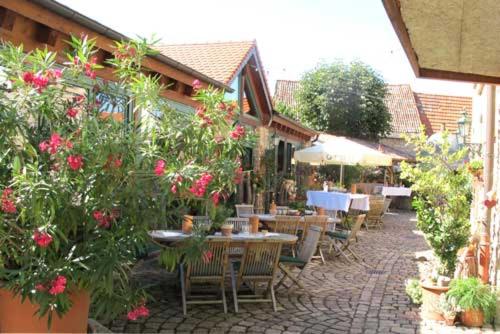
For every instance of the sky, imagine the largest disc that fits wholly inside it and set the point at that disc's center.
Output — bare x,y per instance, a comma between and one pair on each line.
293,36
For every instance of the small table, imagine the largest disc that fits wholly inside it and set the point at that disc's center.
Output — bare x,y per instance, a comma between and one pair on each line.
336,201
396,191
171,236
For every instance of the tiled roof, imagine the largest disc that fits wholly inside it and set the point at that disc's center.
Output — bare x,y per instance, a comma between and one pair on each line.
438,111
285,92
401,105
220,60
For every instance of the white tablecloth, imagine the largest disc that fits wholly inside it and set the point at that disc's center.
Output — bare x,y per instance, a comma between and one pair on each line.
338,201
396,191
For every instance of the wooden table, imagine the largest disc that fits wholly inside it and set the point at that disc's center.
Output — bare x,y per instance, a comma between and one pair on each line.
172,236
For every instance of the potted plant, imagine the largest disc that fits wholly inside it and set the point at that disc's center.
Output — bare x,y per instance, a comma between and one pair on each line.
414,291
476,300
449,309
79,186
475,167
442,197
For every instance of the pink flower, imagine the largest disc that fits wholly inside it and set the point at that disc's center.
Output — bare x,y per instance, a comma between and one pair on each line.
40,287
196,84
78,98
52,145
222,106
8,205
72,112
216,198
200,112
40,82
173,189
102,219
42,239
238,132
76,60
238,175
160,167
199,187
75,162
141,311
57,73
43,146
117,163
69,144
28,77
58,285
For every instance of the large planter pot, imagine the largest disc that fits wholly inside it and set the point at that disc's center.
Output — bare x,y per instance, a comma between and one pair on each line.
19,317
430,301
472,318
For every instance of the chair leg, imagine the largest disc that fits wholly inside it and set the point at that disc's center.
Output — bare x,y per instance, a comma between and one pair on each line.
224,303
283,279
233,286
273,297
183,289
292,277
320,251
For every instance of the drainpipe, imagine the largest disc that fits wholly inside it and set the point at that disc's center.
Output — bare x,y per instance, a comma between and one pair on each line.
484,243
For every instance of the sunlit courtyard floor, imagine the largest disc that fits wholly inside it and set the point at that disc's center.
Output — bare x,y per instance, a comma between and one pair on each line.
341,297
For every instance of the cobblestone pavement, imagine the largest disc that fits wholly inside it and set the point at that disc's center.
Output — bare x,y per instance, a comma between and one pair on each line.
341,297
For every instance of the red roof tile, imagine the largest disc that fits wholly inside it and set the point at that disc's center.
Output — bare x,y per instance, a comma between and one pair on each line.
438,111
284,92
401,105
220,60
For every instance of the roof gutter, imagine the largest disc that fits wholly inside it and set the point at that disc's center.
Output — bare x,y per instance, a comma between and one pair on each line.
89,23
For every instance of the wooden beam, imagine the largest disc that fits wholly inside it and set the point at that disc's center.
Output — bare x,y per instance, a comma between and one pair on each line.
393,10
458,76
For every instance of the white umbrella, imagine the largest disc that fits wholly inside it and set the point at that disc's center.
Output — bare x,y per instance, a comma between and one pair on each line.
342,151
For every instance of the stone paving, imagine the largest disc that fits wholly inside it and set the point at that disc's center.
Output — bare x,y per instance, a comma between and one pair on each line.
341,297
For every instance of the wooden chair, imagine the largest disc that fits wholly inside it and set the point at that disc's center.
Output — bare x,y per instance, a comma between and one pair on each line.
342,240
211,270
244,209
322,223
285,224
374,215
387,204
238,223
258,264
304,257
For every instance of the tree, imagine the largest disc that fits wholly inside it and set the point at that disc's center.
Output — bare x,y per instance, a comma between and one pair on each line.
346,99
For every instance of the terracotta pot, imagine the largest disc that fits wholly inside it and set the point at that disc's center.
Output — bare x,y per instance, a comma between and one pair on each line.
19,317
449,321
254,224
472,318
320,211
430,301
226,230
187,224
353,188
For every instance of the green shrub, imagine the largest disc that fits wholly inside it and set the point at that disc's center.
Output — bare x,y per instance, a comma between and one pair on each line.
414,291
471,293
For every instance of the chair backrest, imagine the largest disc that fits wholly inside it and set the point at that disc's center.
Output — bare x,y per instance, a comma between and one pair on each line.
387,203
319,221
238,223
282,210
244,209
356,227
376,207
201,222
213,262
286,224
310,244
260,260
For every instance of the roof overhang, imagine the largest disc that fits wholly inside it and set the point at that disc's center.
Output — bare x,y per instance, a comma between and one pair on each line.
449,39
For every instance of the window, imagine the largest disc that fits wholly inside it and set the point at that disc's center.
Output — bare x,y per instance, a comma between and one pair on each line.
247,160
281,156
248,105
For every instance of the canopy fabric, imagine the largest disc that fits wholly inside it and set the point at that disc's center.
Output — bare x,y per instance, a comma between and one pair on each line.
342,151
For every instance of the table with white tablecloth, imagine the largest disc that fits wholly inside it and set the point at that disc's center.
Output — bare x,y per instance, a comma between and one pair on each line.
338,201
396,191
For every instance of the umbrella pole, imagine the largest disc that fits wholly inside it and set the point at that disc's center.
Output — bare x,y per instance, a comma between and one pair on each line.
342,175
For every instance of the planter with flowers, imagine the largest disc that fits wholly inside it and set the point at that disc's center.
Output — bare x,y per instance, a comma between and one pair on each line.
79,189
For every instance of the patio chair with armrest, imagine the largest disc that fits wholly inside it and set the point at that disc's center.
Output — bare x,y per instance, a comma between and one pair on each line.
287,225
374,215
209,270
258,265
341,240
322,223
244,209
304,257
